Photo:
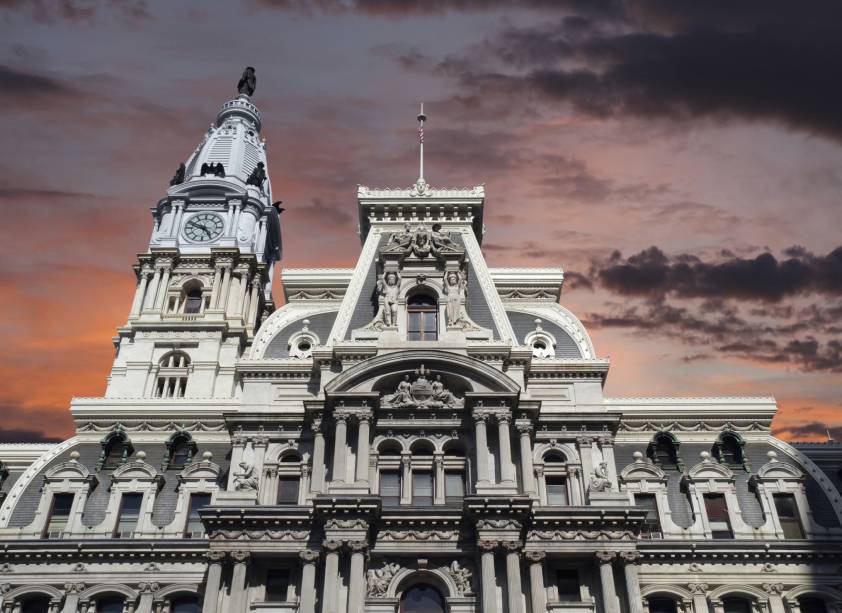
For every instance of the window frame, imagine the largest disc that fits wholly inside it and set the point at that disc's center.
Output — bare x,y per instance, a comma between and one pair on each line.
427,311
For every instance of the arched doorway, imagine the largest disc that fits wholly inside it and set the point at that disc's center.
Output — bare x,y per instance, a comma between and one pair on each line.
422,598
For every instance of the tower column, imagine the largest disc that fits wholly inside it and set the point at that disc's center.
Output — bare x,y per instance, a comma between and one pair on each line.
239,585
212,583
513,575
406,479
340,453
526,467
149,302
162,289
481,443
489,587
254,301
318,482
439,498
217,279
610,603
507,468
140,293
331,579
363,446
537,590
307,602
356,583
631,559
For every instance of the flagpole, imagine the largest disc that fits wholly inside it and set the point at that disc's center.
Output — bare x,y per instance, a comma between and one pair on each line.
421,119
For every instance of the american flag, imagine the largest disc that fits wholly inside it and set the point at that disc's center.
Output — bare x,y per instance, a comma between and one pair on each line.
421,133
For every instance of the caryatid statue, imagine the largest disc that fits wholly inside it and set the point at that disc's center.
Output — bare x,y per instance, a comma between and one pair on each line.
388,288
247,82
455,288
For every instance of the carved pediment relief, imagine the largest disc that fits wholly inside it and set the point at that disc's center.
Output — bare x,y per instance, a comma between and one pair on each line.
422,390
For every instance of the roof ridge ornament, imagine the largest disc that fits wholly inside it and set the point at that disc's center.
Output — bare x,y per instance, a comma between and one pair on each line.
420,188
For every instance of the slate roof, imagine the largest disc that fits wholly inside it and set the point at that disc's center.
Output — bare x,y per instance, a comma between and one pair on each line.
320,325
524,323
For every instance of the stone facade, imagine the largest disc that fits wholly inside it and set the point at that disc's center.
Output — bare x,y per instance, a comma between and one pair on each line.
418,434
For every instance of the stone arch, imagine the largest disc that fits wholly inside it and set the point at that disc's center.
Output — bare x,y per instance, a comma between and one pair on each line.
676,591
278,321
563,318
438,578
421,288
747,591
543,449
388,442
822,591
423,442
178,589
363,376
107,589
27,591
454,444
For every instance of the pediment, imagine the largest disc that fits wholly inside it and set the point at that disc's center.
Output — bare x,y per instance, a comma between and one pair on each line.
200,470
779,470
642,471
710,470
67,470
135,470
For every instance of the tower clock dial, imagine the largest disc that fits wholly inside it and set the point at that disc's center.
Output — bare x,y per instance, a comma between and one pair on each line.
203,227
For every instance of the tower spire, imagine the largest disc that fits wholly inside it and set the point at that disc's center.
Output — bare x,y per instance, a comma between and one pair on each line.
421,119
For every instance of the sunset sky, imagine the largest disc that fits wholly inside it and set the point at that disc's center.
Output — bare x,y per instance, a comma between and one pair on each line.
681,160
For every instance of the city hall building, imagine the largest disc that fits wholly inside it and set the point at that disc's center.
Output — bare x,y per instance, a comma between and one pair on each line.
420,433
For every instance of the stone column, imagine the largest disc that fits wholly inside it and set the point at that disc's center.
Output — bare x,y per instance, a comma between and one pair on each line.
363,446
507,468
222,297
147,595
71,597
259,444
631,560
700,599
576,495
331,579
254,301
340,453
307,602
610,603
239,582
489,589
542,484
318,483
537,589
141,292
439,494
356,582
217,279
606,446
406,479
585,445
481,443
161,297
149,301
795,606
776,601
718,606
513,575
177,217
213,583
526,467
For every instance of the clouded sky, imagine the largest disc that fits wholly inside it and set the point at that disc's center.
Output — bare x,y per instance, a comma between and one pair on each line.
681,160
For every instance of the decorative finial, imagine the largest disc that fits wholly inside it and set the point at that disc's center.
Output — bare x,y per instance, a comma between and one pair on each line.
421,119
247,82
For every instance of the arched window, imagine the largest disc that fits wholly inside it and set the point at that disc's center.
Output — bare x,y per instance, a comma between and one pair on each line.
193,300
180,451
116,449
663,451
185,604
289,479
555,478
422,599
811,604
736,605
662,605
110,604
172,375
728,449
422,318
36,604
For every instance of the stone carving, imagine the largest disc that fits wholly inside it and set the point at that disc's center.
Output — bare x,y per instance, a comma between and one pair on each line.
442,241
388,288
378,580
422,393
257,176
455,288
461,577
246,479
587,535
217,169
599,480
178,177
421,242
247,82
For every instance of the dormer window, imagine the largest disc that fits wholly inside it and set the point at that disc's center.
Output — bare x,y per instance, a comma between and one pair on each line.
181,449
116,449
422,318
728,449
663,451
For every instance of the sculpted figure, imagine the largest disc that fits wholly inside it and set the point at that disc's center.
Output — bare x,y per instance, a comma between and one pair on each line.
421,244
403,395
456,290
378,580
247,82
441,240
388,287
442,395
245,480
599,480
257,176
178,177
462,577
401,240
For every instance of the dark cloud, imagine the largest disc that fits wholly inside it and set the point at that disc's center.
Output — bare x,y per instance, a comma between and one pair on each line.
401,8
49,11
25,85
320,213
810,429
25,436
651,273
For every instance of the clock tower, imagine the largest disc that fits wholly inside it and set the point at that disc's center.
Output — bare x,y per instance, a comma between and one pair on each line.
205,282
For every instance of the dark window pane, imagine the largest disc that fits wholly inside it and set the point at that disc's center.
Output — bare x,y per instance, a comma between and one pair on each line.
557,491
422,489
194,528
180,453
390,488
567,583
277,585
454,486
662,605
185,604
38,604
787,510
717,512
129,515
194,302
59,514
731,452
288,490
115,454
810,604
736,605
111,604
422,599
651,525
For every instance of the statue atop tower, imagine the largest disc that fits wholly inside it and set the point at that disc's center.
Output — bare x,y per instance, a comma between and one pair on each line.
247,82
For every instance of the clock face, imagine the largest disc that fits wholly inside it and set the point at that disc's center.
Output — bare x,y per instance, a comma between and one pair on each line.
203,227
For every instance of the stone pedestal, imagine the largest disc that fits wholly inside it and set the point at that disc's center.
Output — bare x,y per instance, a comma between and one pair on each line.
237,498
609,499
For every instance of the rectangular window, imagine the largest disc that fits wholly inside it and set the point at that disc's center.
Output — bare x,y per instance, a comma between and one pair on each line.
651,527
129,515
557,491
454,487
277,585
717,511
59,515
787,510
422,325
288,489
422,489
390,489
567,583
194,528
